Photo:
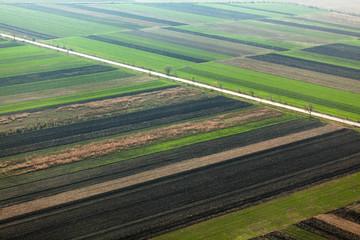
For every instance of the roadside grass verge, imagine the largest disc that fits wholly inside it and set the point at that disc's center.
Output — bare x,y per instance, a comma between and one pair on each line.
275,214
328,100
82,96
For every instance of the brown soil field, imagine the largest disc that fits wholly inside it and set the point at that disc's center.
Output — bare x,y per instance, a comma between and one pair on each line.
17,98
323,79
172,169
17,166
340,223
11,123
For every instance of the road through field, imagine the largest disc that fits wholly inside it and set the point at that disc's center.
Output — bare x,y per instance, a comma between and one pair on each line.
189,82
85,192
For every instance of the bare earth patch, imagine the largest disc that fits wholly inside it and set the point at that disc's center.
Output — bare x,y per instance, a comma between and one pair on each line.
17,166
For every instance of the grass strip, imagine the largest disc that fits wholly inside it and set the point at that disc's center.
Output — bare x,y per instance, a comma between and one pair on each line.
275,214
81,96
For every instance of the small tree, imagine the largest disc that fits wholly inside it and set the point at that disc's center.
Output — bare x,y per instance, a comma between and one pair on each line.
167,70
309,108
252,92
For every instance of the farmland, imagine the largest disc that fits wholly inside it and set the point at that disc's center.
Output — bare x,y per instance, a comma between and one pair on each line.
339,223
191,34
91,150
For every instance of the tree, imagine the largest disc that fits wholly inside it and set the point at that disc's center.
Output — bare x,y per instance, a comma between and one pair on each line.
309,108
252,92
167,70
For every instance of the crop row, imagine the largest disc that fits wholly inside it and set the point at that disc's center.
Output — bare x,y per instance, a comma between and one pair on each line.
309,65
127,15
30,141
311,27
26,31
80,16
147,49
337,50
56,74
273,89
185,198
206,11
226,39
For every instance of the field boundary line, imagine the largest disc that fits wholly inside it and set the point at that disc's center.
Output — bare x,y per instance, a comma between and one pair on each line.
189,82
176,168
